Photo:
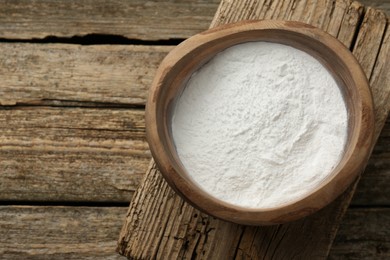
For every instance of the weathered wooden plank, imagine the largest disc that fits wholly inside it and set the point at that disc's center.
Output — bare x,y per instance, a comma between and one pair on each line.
380,76
71,154
28,232
378,167
371,35
136,19
46,73
55,232
351,18
159,223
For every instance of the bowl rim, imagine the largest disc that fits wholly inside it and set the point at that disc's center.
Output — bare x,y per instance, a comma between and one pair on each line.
174,173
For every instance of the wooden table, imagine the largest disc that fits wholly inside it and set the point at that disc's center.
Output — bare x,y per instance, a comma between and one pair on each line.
74,77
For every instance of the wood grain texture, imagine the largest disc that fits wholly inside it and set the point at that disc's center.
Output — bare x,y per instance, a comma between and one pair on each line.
56,232
42,74
371,36
28,232
159,223
135,19
197,235
71,154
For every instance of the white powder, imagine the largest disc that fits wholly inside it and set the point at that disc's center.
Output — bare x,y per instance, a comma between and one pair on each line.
260,125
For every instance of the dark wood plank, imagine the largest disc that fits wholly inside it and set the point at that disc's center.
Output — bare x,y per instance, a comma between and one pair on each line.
374,187
135,19
363,235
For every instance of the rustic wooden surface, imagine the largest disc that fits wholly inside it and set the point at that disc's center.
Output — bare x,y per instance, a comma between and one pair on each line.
363,235
54,153
161,225
60,88
90,232
136,19
55,232
43,74
68,127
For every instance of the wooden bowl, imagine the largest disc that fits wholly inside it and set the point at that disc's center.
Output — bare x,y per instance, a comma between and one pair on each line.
187,57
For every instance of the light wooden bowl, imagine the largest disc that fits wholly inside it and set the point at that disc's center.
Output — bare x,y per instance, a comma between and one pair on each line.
187,57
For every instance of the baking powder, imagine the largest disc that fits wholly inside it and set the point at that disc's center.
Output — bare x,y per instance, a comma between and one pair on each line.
260,125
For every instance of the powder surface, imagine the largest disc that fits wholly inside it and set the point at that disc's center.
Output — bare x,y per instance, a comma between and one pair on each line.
260,124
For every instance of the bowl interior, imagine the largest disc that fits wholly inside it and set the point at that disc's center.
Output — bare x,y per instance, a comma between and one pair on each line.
326,56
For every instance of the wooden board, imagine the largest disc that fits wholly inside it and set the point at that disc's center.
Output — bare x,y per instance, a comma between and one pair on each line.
28,232
62,74
363,235
91,233
71,154
160,224
136,19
